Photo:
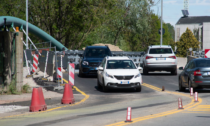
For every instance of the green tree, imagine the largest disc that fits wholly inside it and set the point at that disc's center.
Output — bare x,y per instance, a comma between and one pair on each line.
186,41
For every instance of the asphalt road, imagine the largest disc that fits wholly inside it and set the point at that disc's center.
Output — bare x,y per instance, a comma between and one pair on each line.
150,107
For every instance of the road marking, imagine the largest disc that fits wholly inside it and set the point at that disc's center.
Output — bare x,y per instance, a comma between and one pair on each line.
138,119
200,108
48,110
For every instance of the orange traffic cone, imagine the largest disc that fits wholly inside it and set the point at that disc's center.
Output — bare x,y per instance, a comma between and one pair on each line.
42,101
68,97
35,101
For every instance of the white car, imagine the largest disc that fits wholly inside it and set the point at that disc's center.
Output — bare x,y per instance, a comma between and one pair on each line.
118,72
160,58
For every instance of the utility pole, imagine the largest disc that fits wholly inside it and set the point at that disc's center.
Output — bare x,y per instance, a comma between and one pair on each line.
161,36
26,24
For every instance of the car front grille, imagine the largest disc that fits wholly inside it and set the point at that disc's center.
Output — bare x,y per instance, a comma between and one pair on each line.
94,64
123,77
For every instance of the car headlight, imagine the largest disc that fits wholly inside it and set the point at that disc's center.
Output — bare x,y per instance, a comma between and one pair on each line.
107,75
138,75
85,63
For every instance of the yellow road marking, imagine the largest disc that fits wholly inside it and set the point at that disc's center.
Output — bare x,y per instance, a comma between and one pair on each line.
188,106
200,108
48,110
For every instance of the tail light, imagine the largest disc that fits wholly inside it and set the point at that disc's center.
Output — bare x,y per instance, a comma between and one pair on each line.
173,57
148,57
197,73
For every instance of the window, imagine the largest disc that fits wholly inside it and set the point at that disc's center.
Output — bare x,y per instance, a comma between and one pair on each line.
120,64
202,63
160,51
99,53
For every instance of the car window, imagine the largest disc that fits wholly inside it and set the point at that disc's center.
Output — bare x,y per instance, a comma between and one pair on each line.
187,66
160,51
97,52
120,64
191,65
202,63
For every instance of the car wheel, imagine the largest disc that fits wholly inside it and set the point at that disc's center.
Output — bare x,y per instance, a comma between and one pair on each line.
138,89
80,74
98,84
174,72
145,71
104,87
181,88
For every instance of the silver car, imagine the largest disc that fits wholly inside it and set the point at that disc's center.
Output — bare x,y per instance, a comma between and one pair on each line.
160,58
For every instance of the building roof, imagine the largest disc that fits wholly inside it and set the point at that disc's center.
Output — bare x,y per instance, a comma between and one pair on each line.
193,20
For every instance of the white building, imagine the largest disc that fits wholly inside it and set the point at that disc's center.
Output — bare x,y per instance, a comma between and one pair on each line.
202,23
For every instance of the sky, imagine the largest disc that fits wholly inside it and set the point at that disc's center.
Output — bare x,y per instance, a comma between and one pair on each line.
172,9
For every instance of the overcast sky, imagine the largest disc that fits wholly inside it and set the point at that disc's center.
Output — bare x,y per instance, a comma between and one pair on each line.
172,9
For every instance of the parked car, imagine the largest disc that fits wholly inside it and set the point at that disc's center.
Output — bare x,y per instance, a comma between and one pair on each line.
160,58
119,72
195,74
91,59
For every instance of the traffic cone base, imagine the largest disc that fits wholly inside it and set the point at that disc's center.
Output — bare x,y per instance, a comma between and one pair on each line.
68,97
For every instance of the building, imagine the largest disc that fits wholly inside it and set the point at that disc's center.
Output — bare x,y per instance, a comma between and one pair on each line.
200,23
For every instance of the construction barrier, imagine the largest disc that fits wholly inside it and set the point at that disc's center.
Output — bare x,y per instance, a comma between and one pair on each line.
35,62
128,116
180,106
71,73
196,97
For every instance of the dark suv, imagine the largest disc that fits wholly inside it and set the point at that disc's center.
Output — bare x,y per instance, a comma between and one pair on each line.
91,59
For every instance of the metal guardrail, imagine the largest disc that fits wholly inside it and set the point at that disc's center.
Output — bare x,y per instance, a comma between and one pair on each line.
199,54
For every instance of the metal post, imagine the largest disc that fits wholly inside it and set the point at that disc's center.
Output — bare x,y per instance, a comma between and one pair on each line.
61,71
161,37
46,64
26,24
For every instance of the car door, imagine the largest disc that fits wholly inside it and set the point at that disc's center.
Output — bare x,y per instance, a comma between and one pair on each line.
182,74
187,73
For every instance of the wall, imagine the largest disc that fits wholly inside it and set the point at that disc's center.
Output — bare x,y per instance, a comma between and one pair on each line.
206,35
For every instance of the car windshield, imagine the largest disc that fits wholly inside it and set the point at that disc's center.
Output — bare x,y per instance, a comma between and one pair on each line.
202,63
160,51
120,64
100,53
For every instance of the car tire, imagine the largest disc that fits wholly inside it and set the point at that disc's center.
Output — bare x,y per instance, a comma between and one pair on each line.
104,87
145,71
138,89
174,72
80,74
98,84
181,88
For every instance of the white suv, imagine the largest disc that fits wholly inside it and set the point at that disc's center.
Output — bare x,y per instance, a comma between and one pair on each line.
160,58
118,72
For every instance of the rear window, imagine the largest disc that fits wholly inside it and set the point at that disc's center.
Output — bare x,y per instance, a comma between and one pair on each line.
202,63
97,52
160,51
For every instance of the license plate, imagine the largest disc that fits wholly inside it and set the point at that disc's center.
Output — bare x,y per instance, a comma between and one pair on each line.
160,58
96,68
208,73
124,82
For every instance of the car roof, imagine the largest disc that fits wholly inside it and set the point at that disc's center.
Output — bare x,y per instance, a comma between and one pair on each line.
158,46
103,47
118,58
201,59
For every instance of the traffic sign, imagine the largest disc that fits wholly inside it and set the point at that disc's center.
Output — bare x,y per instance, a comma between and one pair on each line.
159,31
207,53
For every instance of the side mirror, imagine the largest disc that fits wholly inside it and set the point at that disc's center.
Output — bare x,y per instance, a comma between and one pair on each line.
175,52
100,68
139,68
181,68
